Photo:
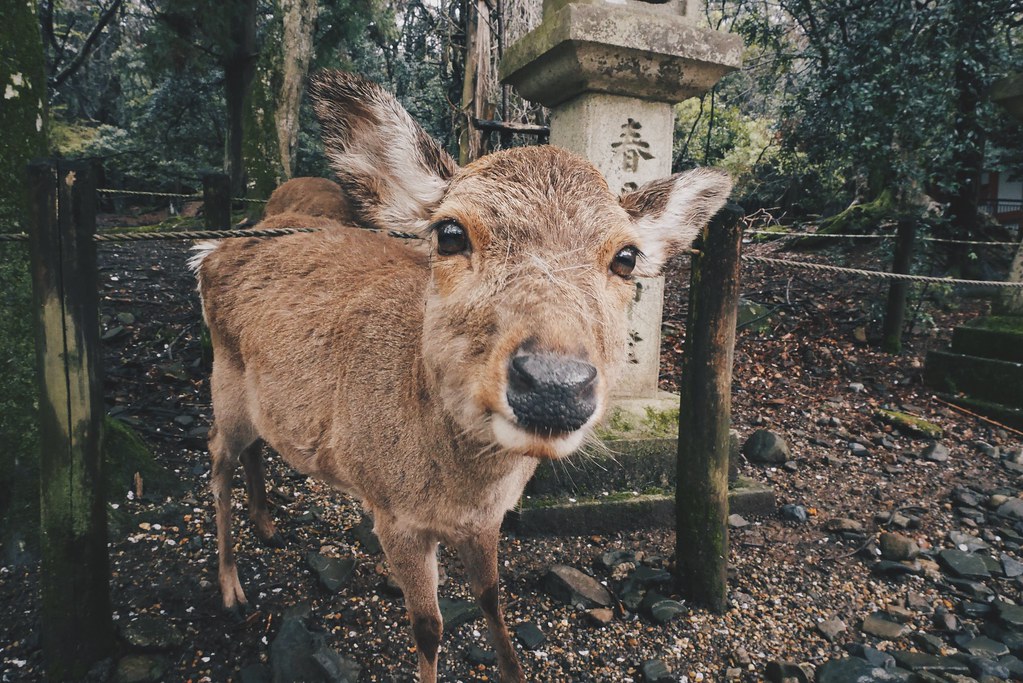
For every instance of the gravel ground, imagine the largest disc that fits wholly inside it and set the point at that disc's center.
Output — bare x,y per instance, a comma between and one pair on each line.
794,377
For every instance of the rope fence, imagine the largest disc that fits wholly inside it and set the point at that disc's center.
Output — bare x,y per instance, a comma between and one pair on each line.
147,236
814,235
171,195
877,274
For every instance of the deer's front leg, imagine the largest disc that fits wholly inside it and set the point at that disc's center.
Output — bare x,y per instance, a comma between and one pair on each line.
479,555
413,559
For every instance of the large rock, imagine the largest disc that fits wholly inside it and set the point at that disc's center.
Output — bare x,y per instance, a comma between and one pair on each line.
766,447
855,670
964,565
878,624
573,587
298,655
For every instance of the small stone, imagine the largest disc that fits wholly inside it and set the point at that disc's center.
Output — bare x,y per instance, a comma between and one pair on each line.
996,500
125,318
973,589
184,420
785,672
986,448
935,452
650,576
529,635
1014,665
363,533
151,633
975,610
856,387
656,671
1010,615
899,613
873,656
477,655
929,643
660,609
830,628
113,333
858,449
334,573
794,513
737,522
140,669
573,587
896,569
878,624
920,661
764,446
965,497
843,524
918,602
1012,509
455,613
982,668
964,565
1011,567
854,670
600,616
982,646
897,547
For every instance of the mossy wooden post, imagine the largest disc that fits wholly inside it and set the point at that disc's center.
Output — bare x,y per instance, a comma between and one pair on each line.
701,495
902,261
75,572
216,200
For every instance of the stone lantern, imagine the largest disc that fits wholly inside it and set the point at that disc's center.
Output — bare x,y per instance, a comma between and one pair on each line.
611,71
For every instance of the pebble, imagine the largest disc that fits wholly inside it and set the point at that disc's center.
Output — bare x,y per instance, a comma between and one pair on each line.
898,547
334,573
600,616
477,655
529,635
840,524
660,609
831,628
962,564
858,449
794,513
764,446
573,587
935,452
1012,509
656,671
878,624
737,522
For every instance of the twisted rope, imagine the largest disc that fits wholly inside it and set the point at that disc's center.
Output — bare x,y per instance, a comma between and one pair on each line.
141,236
173,195
876,274
814,235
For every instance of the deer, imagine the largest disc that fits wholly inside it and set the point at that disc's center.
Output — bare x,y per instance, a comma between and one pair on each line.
429,382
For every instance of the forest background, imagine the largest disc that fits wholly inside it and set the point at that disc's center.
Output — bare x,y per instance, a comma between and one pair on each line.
849,114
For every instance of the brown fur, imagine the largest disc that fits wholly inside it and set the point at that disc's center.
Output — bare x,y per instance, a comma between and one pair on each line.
383,369
310,197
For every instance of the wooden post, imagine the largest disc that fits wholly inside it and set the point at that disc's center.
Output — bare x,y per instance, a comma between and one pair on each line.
74,574
216,199
701,494
895,312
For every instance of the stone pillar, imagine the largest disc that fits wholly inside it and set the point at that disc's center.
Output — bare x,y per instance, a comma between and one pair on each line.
611,71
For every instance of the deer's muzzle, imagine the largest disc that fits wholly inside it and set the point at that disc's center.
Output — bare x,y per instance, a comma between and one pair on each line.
551,393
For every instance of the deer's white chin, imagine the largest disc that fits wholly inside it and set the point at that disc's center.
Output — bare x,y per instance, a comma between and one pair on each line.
514,438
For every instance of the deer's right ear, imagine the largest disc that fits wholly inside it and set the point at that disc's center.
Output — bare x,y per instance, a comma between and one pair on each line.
393,173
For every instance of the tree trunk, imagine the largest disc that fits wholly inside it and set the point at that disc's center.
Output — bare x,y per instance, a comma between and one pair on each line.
476,77
239,69
23,108
297,51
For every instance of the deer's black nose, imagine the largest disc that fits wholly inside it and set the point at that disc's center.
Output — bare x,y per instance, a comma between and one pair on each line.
550,392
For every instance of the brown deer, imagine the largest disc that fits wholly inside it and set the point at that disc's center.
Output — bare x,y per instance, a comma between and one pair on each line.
430,382
309,197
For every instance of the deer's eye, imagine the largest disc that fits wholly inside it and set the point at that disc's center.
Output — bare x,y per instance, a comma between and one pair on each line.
624,262
451,239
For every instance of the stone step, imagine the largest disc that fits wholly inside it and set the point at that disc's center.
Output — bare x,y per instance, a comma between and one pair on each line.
1007,415
985,379
627,510
997,337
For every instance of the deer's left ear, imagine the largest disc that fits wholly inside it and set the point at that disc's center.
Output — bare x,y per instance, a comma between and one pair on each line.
669,214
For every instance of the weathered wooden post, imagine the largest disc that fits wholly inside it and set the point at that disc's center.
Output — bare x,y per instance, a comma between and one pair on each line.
216,199
898,290
701,494
74,576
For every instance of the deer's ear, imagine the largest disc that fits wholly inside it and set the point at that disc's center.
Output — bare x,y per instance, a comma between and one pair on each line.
393,173
669,214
